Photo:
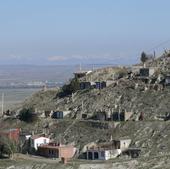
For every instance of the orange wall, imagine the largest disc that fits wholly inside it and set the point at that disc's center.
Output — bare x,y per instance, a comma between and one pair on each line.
67,152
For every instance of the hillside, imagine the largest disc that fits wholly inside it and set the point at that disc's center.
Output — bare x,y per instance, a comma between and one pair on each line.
107,73
151,137
130,94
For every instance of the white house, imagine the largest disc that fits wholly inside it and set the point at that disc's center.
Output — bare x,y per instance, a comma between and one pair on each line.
108,150
36,141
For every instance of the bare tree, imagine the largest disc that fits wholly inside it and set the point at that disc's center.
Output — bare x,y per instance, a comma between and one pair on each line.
7,147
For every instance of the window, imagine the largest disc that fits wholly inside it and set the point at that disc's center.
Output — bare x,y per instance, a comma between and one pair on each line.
45,141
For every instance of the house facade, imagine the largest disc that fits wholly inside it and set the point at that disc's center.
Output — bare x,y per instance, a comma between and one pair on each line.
96,85
122,116
87,85
102,154
59,114
12,134
54,150
101,85
146,72
107,150
115,116
36,141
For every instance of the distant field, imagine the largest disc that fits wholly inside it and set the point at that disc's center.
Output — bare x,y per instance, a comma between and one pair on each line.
12,97
31,73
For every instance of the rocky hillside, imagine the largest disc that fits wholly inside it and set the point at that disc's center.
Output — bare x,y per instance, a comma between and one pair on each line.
132,94
153,103
151,136
103,74
42,100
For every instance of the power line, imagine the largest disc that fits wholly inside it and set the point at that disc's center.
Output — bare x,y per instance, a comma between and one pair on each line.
159,45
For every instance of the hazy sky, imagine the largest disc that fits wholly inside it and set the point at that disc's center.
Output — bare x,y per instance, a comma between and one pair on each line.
86,31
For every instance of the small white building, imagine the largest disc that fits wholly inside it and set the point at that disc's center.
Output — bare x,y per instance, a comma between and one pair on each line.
108,150
146,72
36,141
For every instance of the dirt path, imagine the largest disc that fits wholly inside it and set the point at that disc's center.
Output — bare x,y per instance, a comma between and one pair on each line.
36,158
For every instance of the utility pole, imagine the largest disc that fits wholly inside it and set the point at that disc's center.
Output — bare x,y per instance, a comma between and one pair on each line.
92,67
80,67
154,54
2,106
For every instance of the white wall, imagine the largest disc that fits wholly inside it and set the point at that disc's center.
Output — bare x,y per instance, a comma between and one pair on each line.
151,71
65,113
109,154
27,137
35,143
106,154
124,144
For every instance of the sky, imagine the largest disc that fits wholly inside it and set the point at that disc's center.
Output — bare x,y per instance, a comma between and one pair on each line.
52,32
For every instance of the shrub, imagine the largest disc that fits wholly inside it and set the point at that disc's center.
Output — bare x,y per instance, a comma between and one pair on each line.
144,57
70,88
27,115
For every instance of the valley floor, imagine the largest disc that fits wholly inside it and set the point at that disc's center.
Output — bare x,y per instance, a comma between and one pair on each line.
159,162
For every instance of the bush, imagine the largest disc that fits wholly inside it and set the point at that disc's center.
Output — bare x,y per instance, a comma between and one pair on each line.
144,57
27,115
70,88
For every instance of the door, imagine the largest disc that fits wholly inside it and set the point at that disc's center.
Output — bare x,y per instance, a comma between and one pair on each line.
96,155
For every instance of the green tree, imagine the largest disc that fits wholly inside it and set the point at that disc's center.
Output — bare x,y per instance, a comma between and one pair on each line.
27,115
74,85
70,88
144,57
